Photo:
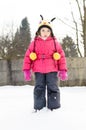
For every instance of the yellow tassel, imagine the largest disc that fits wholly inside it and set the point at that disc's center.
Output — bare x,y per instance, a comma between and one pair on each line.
33,56
56,56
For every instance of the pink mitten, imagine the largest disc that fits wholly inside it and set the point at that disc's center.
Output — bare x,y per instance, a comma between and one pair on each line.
62,75
27,75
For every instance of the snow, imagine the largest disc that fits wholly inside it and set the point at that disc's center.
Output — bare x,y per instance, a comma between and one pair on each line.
16,105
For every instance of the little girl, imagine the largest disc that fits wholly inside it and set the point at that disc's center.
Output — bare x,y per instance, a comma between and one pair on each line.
46,58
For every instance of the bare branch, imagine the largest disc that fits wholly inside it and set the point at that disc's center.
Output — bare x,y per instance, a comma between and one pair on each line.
77,39
68,24
81,17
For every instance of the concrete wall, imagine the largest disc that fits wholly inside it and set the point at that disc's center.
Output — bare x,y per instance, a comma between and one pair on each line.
11,73
3,72
76,72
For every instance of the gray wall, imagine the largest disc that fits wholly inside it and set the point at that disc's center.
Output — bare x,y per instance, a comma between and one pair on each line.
11,73
76,72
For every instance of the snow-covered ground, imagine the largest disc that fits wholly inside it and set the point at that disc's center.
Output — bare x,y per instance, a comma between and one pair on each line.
16,104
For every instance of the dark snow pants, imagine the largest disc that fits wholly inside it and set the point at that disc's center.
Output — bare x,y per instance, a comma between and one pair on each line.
47,82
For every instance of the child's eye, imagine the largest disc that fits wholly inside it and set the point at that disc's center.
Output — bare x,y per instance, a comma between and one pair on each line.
43,30
48,30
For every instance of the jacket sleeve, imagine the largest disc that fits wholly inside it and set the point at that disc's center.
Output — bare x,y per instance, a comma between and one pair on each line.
27,61
62,64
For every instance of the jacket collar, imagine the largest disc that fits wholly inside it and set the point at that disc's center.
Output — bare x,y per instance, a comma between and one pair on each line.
41,39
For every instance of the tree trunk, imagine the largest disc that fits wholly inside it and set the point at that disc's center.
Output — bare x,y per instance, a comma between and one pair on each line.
9,72
84,31
85,42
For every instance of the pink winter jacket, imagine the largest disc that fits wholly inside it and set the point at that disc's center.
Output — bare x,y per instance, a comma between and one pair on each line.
44,62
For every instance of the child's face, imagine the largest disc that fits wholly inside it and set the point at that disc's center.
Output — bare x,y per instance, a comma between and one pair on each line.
45,32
